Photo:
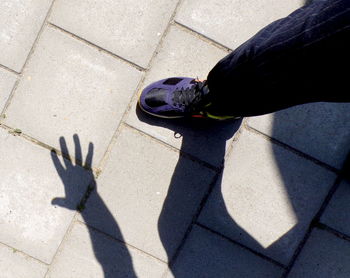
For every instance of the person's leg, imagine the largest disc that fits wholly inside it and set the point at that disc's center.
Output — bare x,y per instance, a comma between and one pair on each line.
302,58
298,59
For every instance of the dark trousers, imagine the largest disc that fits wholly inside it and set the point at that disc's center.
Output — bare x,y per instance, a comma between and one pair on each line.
302,58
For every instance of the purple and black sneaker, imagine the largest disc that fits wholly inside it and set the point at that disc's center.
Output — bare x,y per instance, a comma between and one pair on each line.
175,97
178,97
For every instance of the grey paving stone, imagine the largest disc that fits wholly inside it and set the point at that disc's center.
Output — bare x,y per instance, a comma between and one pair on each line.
184,54
69,88
321,130
89,253
337,213
267,197
128,28
29,182
147,195
20,22
323,256
14,264
7,81
232,22
207,255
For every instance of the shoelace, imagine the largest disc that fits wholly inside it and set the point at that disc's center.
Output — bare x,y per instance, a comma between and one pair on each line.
191,96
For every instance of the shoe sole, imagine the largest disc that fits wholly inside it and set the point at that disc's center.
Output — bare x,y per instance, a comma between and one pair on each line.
192,116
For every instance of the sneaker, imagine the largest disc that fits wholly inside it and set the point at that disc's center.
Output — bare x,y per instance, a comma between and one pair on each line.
178,97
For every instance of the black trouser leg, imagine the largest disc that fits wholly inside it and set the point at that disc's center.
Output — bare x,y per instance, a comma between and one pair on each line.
302,58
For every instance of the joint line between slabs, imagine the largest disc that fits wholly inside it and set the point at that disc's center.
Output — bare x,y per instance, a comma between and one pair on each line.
293,150
15,250
202,36
9,70
121,242
195,218
184,154
30,53
112,142
165,33
99,48
333,231
41,30
313,224
266,258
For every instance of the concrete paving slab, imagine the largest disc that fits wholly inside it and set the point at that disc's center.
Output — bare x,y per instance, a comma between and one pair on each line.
129,28
323,256
321,130
89,253
267,197
70,88
7,81
14,264
232,22
206,254
29,182
337,213
147,195
20,23
185,54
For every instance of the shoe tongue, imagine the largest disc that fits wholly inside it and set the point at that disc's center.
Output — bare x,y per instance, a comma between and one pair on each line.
156,97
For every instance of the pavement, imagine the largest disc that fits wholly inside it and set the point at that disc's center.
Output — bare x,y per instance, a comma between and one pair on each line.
91,187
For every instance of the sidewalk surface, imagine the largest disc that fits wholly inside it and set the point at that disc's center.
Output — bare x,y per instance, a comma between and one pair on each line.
158,201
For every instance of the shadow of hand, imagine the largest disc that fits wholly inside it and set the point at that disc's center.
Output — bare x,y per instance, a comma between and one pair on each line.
69,172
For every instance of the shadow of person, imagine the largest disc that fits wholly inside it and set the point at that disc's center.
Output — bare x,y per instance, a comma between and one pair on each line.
114,257
321,131
303,184
203,139
288,188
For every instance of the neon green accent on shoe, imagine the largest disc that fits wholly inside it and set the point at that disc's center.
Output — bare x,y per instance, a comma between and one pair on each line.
220,118
216,117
